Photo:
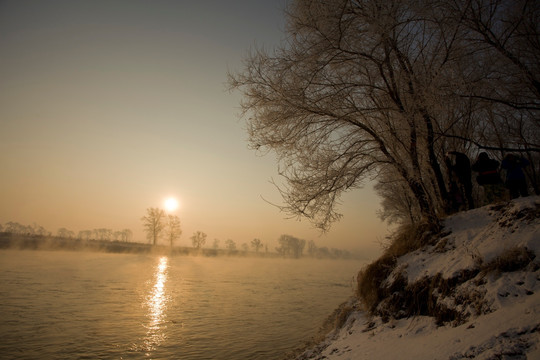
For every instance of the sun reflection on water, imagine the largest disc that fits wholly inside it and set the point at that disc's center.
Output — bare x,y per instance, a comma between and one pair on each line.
156,303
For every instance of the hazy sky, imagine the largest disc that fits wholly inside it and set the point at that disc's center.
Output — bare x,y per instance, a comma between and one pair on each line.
108,107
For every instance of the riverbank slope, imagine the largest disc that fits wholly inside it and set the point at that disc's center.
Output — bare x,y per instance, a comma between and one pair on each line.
474,292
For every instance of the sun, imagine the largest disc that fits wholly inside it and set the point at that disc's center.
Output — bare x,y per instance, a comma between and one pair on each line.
171,204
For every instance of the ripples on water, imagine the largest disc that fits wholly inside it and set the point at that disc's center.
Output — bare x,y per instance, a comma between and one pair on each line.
65,305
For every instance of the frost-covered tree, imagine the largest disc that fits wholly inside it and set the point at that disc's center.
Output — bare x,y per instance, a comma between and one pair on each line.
349,92
362,86
398,204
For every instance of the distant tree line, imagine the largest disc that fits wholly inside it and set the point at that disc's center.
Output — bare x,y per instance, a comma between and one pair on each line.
19,229
290,246
160,226
101,234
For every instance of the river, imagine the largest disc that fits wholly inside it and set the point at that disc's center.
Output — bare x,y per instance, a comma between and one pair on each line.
85,305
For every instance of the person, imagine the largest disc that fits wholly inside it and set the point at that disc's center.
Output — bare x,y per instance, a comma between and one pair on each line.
515,178
459,167
489,177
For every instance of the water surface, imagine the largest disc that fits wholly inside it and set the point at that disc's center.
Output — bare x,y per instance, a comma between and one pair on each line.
67,305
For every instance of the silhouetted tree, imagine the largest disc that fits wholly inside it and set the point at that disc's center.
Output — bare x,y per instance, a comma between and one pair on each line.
245,248
103,234
256,244
20,229
312,248
290,246
127,234
230,245
38,230
85,234
198,239
117,235
14,228
323,252
153,223
65,233
173,230
215,245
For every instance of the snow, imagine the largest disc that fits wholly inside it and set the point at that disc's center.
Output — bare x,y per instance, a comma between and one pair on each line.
508,325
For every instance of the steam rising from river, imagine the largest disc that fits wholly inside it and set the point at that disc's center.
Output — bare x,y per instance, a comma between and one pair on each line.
97,305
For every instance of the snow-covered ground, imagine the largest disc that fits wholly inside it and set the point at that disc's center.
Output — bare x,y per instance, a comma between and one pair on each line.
503,322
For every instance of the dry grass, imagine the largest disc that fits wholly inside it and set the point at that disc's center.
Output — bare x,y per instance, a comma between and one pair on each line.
513,259
406,239
370,289
409,238
420,298
396,298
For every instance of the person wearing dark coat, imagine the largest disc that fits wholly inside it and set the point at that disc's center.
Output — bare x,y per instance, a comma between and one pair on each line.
459,168
489,177
515,178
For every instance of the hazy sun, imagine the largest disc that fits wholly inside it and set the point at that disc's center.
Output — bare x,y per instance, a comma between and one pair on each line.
171,204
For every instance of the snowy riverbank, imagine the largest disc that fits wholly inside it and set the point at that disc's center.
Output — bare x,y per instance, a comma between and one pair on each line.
494,253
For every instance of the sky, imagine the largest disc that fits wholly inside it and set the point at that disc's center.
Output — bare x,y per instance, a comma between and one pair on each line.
109,107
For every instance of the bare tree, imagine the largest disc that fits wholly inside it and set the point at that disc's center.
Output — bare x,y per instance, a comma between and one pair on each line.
351,91
312,248
290,246
245,248
154,224
15,228
117,235
501,65
230,245
85,234
103,234
173,230
362,86
256,244
65,233
127,234
38,230
198,239
398,203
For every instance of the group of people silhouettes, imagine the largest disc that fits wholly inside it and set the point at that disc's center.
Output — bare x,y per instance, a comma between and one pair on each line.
489,178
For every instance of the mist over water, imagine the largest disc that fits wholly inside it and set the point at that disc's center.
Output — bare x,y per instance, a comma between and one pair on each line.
95,305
